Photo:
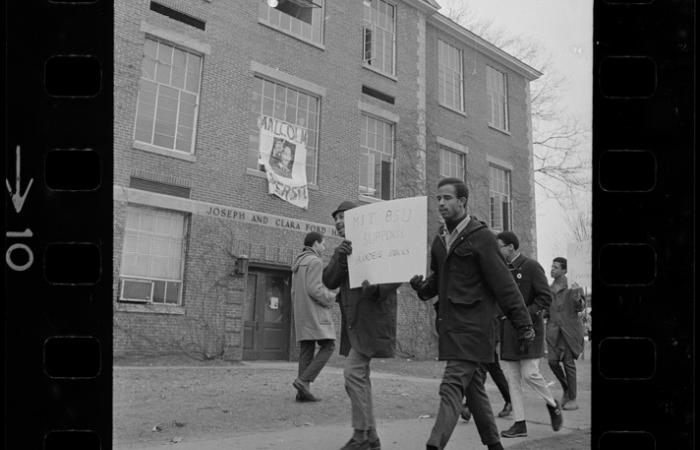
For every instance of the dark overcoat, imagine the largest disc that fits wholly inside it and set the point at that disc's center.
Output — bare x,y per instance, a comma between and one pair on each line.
564,316
532,282
367,315
470,280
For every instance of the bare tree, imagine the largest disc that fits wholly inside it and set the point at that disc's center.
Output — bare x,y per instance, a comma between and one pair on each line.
561,168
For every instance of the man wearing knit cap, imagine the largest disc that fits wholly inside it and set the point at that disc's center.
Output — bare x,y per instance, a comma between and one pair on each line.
368,330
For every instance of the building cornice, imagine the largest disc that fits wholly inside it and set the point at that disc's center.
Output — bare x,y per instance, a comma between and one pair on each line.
427,7
478,43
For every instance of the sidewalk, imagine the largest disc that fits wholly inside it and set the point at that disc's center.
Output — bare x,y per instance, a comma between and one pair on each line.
401,434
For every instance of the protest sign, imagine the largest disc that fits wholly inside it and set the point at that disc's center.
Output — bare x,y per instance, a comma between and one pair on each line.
283,154
579,263
388,241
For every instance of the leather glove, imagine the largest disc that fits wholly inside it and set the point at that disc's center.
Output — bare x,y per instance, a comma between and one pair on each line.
417,282
526,336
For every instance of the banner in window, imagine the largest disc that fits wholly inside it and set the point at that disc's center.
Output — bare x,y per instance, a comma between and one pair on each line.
283,154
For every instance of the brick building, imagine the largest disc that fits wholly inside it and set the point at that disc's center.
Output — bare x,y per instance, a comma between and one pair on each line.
390,96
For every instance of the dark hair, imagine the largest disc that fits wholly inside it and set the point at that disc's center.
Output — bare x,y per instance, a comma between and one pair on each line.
311,238
508,237
460,188
561,261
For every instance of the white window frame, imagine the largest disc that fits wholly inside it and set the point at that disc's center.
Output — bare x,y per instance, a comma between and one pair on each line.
284,23
152,280
494,193
498,94
373,113
446,72
375,28
188,46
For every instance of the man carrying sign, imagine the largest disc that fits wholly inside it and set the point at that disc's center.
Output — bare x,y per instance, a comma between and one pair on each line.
368,330
470,277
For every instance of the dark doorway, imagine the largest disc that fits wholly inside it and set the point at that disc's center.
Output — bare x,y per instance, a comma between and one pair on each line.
266,315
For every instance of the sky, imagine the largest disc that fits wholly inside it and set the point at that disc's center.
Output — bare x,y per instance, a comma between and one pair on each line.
564,28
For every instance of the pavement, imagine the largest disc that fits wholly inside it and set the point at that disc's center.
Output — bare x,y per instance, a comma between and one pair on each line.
407,434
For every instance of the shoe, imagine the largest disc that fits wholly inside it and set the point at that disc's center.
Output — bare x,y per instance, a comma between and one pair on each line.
555,416
375,445
466,414
303,391
519,429
430,447
571,405
506,411
352,444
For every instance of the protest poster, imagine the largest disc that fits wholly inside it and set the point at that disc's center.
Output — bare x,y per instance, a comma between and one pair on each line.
579,263
388,241
283,154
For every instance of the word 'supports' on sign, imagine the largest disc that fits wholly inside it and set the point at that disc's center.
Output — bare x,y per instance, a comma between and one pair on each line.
388,241
579,263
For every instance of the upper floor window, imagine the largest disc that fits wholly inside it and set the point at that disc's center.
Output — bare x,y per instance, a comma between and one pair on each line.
302,18
379,35
376,157
452,163
497,88
168,97
450,76
152,257
290,105
500,198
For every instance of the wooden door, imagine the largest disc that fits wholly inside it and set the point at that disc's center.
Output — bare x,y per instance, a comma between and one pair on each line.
266,315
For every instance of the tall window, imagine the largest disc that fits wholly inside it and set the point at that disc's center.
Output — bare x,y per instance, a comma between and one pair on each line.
376,157
450,76
152,258
302,18
379,35
451,163
497,88
166,111
499,194
290,105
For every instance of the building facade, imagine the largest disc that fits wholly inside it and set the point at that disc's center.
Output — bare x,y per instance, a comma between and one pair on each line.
388,95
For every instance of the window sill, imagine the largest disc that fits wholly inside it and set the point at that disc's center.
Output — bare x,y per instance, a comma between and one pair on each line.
500,130
290,34
369,199
456,111
261,174
164,151
150,308
379,72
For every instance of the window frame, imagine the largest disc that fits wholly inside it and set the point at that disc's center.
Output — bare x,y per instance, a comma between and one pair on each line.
462,164
186,218
371,26
504,98
493,193
152,146
364,194
441,68
264,19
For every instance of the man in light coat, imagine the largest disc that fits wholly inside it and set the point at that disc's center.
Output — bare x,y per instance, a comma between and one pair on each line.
523,367
313,321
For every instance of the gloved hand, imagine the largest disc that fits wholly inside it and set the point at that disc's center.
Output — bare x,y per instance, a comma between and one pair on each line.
526,336
417,282
345,248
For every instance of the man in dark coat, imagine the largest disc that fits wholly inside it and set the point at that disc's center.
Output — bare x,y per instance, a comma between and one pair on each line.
565,331
470,277
524,367
368,330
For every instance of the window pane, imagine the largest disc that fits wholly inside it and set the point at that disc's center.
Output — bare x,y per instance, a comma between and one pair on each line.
136,290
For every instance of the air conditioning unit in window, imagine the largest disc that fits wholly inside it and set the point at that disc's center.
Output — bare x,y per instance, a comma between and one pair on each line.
139,291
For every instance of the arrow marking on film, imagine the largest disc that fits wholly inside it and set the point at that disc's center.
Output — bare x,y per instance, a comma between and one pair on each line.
17,197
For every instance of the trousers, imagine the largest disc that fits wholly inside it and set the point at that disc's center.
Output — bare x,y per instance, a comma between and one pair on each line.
526,371
359,389
309,365
561,355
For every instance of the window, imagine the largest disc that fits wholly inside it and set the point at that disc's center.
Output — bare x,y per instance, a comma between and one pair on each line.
290,105
166,111
497,88
499,193
301,18
379,35
451,163
152,257
450,78
376,157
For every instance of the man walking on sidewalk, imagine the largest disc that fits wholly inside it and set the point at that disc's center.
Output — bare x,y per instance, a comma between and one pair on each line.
313,321
524,366
470,277
368,321
565,331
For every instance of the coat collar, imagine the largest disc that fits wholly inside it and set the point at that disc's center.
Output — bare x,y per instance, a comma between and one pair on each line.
560,285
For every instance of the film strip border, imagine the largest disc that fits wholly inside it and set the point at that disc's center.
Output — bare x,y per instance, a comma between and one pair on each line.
58,216
643,200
